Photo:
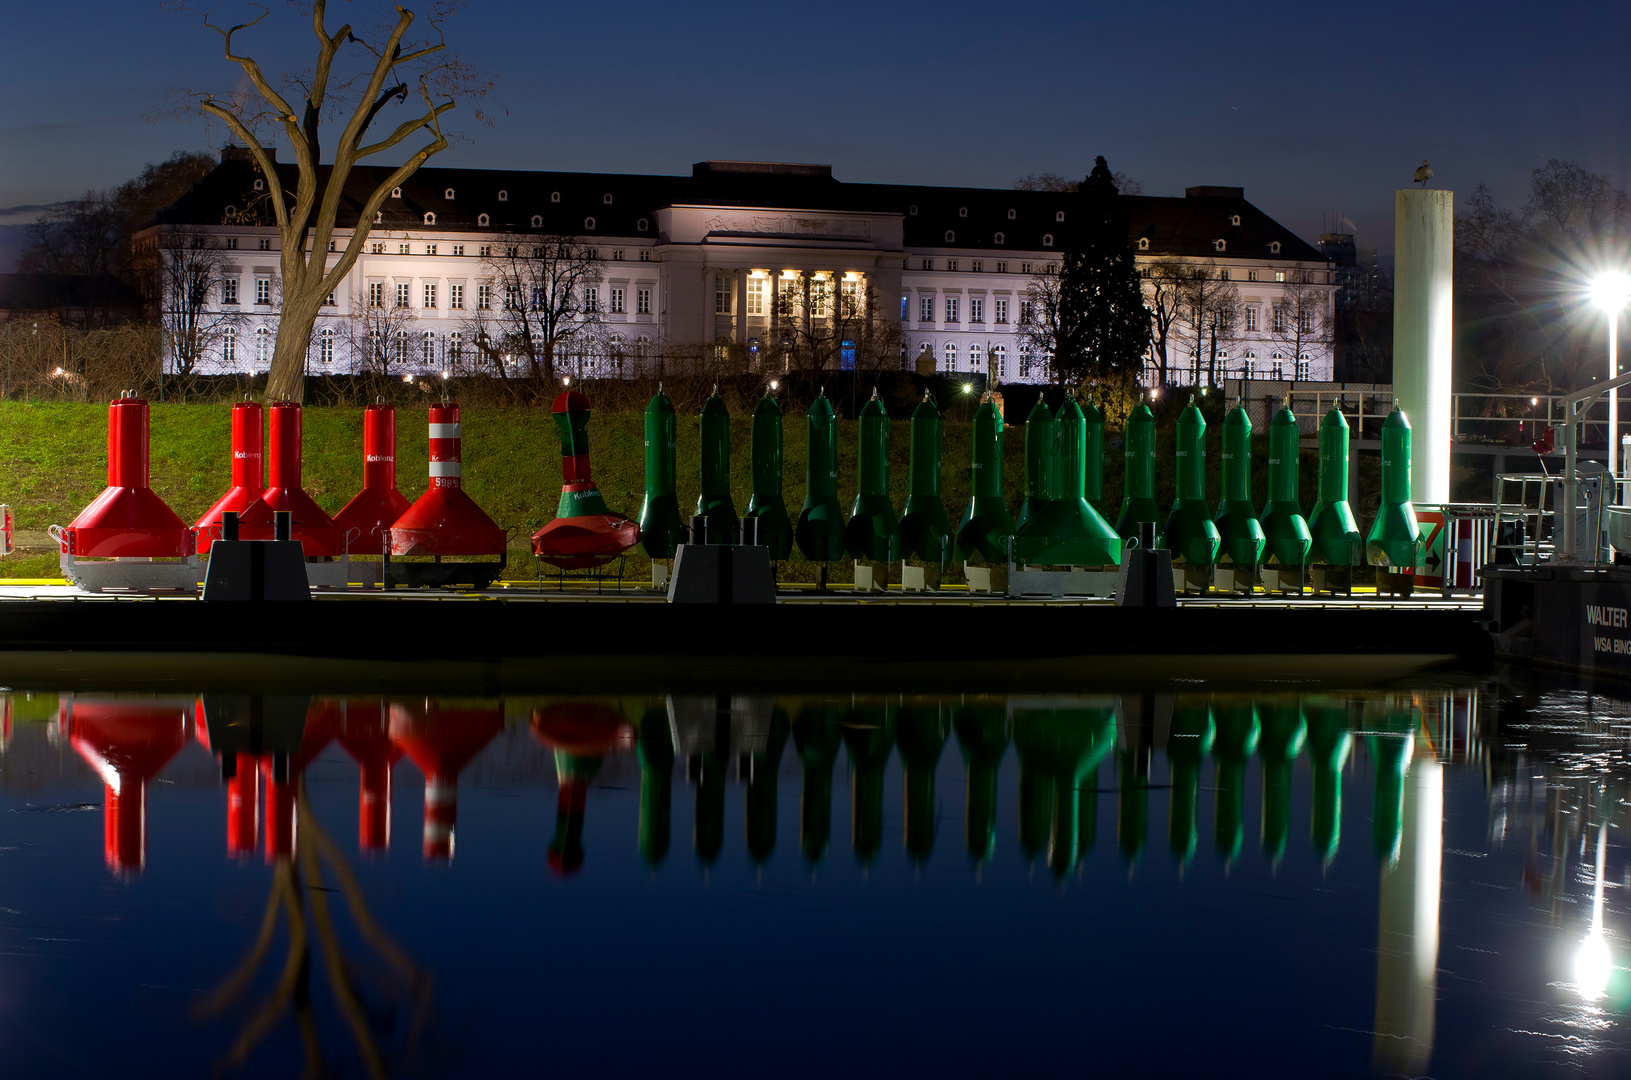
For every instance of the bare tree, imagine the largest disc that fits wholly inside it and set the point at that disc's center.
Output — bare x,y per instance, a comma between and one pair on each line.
379,332
540,300
1048,181
1301,318
1039,315
376,71
186,265
1210,309
1164,282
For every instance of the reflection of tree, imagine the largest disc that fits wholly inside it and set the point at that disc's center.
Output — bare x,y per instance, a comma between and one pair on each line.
305,904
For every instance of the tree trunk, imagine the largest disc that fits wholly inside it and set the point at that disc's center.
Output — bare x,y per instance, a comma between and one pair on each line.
287,379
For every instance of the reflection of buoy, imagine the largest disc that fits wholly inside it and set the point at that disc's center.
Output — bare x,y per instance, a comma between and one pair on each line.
582,734
869,735
922,731
126,742
982,734
365,732
656,785
816,736
282,778
761,769
441,738
1188,743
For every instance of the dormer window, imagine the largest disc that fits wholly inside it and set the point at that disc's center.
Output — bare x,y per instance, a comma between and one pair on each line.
503,196
1143,243
537,221
911,211
1219,245
1047,240
1060,216
962,211
396,193
554,196
483,220
1234,219
643,225
1000,239
260,185
1013,215
950,236
430,218
231,212
448,194
606,199
588,224
1274,248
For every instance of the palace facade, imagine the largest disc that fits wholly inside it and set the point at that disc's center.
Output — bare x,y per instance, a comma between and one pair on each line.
746,255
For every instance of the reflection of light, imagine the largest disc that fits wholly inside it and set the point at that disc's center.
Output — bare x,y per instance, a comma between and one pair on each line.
1592,964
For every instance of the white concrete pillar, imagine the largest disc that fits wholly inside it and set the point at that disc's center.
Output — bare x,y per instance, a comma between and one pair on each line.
1423,280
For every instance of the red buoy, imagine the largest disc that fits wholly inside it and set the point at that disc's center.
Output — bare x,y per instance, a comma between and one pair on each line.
128,520
313,528
585,531
246,473
444,520
362,524
126,743
441,741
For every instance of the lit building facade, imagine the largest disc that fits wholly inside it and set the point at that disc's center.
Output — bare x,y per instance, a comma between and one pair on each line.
940,277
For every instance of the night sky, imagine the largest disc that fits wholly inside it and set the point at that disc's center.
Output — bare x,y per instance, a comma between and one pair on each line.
1313,108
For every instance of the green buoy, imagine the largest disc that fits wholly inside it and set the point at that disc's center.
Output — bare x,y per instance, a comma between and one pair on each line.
714,504
925,531
820,529
766,507
873,531
660,525
1138,505
987,526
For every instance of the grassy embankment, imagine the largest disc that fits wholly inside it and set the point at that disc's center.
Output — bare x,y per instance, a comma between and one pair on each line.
53,460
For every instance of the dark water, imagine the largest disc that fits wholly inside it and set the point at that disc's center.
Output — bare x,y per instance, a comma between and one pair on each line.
1332,884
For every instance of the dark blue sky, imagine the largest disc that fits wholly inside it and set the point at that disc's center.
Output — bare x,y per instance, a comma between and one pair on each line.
1313,108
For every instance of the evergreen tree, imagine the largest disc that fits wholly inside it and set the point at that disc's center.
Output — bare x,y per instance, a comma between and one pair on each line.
1104,328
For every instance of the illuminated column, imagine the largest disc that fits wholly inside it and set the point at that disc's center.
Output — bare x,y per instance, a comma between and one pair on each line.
742,307
710,281
1424,239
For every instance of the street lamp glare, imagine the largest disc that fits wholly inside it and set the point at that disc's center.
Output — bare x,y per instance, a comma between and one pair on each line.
1611,290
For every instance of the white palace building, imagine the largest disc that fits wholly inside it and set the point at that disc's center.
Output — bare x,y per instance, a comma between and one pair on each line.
689,260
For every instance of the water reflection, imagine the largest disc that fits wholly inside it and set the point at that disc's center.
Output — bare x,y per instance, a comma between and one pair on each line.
1033,772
